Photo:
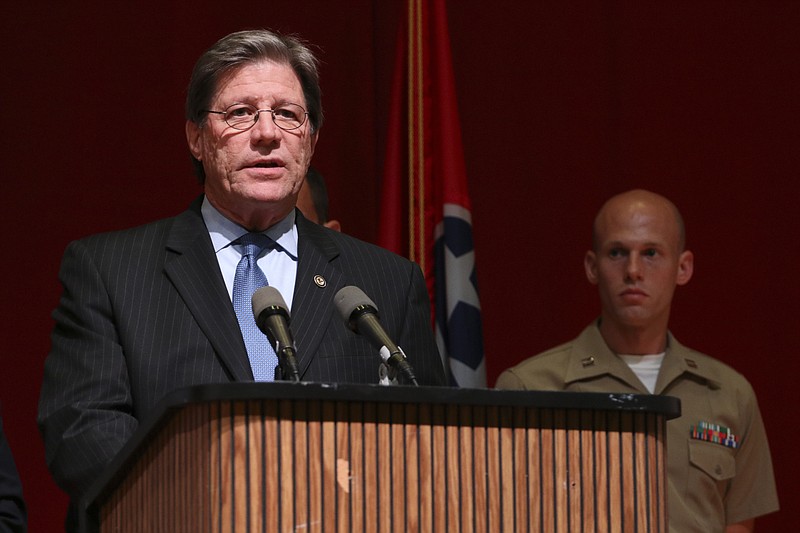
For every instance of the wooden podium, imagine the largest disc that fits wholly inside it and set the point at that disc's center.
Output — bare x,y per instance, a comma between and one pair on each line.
250,457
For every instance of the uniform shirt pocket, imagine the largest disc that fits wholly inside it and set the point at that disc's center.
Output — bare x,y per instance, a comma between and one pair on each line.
713,459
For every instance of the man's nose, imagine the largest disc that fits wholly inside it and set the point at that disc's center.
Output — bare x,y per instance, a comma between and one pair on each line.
264,128
633,266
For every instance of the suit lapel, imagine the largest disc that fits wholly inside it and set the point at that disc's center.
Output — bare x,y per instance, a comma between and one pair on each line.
193,269
318,279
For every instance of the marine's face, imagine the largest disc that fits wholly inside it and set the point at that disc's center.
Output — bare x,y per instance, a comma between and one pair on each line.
253,177
637,263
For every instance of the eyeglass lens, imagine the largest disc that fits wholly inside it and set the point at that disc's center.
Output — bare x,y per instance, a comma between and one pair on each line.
285,116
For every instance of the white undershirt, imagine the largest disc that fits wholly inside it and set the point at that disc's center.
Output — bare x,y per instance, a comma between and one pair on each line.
645,367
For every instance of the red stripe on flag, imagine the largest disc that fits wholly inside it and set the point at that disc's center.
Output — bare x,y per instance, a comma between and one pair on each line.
393,227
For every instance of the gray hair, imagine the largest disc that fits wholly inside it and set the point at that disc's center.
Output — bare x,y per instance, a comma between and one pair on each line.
250,46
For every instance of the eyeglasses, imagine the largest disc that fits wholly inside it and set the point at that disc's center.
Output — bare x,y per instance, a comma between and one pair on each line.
244,116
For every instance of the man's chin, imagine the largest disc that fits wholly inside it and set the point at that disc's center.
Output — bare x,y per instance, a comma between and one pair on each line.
268,194
633,318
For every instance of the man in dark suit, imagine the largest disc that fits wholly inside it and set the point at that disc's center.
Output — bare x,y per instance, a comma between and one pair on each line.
148,310
13,515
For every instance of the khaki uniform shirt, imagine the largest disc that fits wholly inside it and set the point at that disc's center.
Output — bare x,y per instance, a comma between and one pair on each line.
710,484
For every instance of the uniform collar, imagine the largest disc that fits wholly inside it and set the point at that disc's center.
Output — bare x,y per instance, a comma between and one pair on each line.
591,357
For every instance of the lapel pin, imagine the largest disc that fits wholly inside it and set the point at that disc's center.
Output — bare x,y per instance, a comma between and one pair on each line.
691,363
589,361
320,281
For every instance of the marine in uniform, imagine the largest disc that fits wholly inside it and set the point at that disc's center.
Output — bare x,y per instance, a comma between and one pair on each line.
720,474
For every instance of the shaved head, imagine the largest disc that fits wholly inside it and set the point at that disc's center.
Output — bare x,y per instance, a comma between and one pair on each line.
627,203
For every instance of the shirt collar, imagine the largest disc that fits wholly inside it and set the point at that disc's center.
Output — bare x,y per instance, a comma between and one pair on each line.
224,231
591,357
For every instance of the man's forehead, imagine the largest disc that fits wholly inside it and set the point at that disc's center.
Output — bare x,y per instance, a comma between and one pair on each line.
636,213
633,243
637,229
261,71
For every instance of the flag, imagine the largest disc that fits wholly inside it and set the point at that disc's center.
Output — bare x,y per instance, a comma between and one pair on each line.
425,203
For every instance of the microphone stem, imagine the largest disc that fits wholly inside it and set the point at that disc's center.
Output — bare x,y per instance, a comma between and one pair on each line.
291,371
400,363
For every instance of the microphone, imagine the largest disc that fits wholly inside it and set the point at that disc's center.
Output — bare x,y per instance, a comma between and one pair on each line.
272,318
361,315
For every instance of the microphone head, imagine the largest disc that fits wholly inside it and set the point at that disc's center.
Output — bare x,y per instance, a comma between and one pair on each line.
350,299
268,299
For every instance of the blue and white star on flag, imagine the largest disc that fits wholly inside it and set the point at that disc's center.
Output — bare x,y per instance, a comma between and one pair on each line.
458,309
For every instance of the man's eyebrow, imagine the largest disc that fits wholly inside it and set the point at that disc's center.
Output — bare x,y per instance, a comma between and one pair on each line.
620,244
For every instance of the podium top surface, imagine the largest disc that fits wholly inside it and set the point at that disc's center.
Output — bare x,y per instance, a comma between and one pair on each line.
664,405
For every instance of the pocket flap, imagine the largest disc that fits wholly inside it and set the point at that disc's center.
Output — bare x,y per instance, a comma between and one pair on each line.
713,459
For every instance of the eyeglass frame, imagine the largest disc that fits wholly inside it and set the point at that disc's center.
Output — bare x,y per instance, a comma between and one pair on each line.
257,114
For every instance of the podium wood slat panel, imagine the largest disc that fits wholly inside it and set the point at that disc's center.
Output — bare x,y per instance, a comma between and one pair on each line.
453,457
355,465
426,477
315,469
384,485
440,482
410,465
508,464
589,472
328,481
371,448
306,464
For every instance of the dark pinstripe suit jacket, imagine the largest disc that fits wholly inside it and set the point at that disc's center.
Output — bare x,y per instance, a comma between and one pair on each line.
145,311
13,513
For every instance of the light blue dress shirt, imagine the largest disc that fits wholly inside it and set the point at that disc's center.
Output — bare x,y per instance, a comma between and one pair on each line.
279,264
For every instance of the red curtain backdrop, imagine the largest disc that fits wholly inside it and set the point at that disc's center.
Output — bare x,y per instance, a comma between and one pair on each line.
561,105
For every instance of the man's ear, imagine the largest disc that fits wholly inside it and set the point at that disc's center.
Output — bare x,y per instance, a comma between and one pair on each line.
685,267
193,139
590,266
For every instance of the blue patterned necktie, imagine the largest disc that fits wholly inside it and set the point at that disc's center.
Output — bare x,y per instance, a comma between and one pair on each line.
249,278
